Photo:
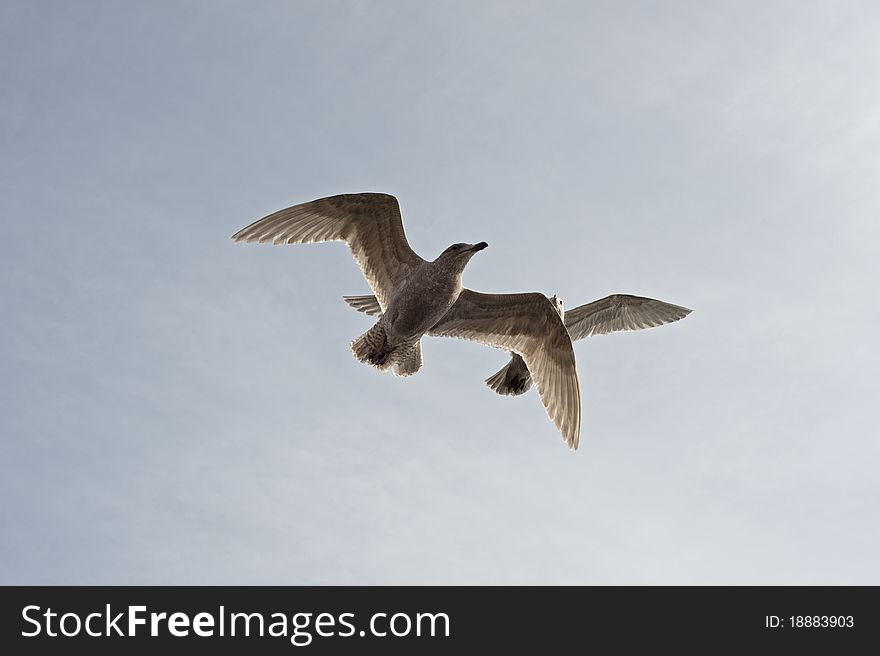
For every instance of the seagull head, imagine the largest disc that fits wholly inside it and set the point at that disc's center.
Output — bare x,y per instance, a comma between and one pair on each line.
557,305
460,254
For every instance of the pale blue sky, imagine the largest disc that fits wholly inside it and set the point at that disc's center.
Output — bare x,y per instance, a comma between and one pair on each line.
178,408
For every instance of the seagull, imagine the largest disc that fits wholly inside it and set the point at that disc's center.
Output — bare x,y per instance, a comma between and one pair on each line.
611,314
415,297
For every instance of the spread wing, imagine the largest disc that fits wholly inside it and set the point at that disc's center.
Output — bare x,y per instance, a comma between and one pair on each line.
620,312
366,304
369,223
526,324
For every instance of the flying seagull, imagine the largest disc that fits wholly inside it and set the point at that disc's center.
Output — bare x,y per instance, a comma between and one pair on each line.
607,315
415,296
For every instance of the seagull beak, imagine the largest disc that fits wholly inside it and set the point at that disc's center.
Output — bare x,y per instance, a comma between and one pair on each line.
479,247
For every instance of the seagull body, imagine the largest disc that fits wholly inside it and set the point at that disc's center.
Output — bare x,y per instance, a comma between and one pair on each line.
415,297
611,314
422,299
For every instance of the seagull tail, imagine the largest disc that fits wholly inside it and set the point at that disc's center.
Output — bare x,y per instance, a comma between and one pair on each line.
372,347
513,379
408,360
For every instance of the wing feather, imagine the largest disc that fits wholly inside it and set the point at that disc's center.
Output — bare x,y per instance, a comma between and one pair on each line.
369,223
528,325
366,304
620,312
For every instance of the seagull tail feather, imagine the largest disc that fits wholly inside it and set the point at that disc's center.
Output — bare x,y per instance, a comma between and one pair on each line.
372,348
408,359
512,379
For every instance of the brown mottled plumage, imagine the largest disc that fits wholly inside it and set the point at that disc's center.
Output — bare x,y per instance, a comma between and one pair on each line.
417,297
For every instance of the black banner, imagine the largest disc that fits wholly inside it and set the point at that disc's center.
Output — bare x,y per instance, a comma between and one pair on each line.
409,620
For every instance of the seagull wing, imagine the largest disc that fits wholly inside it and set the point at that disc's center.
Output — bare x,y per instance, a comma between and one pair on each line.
366,304
526,324
620,312
369,223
